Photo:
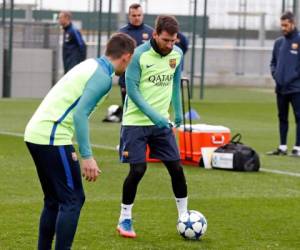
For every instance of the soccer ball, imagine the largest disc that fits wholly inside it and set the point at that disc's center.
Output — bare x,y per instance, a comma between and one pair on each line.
192,225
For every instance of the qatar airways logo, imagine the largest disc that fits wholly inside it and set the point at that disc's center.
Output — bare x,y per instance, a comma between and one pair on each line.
161,80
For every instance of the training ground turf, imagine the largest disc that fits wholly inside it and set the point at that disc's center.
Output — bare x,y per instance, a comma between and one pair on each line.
244,210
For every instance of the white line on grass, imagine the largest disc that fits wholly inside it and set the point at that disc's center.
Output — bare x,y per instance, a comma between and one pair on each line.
273,171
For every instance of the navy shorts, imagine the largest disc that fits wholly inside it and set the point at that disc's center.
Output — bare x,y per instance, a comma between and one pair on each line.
134,140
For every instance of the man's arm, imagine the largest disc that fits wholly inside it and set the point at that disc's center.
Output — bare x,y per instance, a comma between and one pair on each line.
80,43
132,80
273,63
176,97
97,87
92,93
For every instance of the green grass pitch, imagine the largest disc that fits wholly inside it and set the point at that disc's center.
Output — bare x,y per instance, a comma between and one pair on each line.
244,210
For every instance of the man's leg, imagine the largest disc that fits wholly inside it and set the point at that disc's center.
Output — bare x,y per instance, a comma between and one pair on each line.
295,100
68,185
130,185
50,209
131,182
61,182
283,112
163,146
178,184
132,150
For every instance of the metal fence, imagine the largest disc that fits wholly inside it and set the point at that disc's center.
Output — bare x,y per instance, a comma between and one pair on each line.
33,56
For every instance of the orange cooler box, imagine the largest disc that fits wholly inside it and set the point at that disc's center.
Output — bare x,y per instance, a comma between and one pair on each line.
202,135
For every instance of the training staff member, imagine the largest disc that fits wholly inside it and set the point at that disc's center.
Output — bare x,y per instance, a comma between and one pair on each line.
74,48
139,31
48,135
183,43
285,69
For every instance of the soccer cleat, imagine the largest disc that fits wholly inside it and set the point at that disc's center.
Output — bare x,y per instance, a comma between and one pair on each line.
278,151
295,153
125,229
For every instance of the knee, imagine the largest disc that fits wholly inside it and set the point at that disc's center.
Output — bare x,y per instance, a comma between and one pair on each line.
137,171
175,169
283,118
51,204
74,204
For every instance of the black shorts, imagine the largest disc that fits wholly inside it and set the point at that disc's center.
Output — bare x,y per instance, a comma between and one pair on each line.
134,140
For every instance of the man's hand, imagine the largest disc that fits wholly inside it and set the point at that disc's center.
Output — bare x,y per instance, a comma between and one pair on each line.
162,122
178,120
90,169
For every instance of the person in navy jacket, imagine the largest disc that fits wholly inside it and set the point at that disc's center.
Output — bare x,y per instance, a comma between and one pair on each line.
285,69
74,48
139,31
183,43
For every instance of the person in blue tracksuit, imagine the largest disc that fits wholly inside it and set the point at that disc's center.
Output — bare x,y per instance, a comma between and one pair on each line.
285,69
74,48
139,31
183,43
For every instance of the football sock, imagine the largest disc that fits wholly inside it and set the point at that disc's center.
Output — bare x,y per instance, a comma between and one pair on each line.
181,204
125,211
283,147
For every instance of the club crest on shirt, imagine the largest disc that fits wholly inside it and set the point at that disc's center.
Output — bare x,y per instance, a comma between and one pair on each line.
295,46
67,37
172,63
145,36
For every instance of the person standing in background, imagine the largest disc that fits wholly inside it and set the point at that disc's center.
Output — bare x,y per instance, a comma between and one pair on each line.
74,48
285,70
183,43
139,31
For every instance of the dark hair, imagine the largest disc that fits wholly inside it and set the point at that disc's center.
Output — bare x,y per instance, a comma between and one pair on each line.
288,15
166,23
134,6
119,44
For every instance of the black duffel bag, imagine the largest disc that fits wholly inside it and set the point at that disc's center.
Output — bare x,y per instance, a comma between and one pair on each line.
235,156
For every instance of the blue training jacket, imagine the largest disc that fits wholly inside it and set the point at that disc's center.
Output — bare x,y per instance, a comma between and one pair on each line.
285,63
74,48
140,34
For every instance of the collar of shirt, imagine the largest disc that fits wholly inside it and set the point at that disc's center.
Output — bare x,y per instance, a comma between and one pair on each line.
68,26
292,34
106,65
133,27
155,48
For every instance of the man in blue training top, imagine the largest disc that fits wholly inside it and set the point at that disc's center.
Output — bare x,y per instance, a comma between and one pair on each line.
48,135
153,82
74,48
139,31
285,69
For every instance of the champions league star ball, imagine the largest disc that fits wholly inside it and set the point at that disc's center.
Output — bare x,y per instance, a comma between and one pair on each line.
192,225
